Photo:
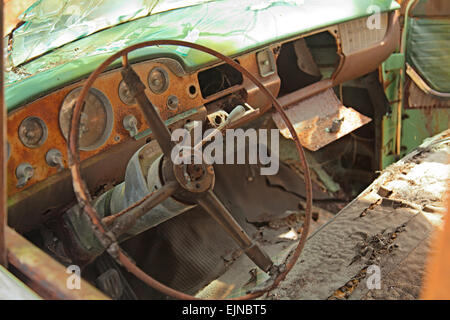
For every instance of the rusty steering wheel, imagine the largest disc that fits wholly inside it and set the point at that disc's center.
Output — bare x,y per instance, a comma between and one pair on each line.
177,179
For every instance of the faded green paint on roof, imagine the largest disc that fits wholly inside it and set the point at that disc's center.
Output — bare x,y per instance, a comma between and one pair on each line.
229,26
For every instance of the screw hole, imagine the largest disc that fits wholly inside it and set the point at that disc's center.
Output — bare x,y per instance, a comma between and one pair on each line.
218,119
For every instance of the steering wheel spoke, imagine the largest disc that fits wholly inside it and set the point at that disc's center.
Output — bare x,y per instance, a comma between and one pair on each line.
124,220
220,213
151,114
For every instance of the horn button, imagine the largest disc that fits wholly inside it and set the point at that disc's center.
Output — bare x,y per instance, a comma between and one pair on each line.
195,178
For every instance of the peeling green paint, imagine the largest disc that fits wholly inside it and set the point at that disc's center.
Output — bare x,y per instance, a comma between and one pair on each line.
425,41
389,121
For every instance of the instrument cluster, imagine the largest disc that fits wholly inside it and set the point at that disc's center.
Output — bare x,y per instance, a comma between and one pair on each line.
37,132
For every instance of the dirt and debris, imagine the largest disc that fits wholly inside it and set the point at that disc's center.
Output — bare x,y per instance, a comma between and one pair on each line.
390,226
384,192
369,250
370,208
276,237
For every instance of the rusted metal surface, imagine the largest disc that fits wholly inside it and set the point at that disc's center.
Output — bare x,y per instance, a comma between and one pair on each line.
255,97
3,156
84,197
47,108
108,83
49,278
12,288
321,120
99,178
41,196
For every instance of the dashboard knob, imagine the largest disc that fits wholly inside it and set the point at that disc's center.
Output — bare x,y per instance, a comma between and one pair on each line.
130,124
24,172
172,102
54,158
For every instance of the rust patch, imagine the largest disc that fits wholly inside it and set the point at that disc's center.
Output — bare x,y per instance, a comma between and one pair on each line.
370,208
47,276
47,109
320,120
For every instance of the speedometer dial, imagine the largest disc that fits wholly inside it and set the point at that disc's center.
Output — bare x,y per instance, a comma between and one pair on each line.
96,118
32,132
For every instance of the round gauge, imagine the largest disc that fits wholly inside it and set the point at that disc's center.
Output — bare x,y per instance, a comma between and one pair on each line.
158,80
96,121
124,94
33,132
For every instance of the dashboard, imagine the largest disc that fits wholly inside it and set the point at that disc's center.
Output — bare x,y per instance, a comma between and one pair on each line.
110,117
112,126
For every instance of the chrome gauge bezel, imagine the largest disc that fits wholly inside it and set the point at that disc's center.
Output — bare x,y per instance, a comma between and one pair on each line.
109,117
121,92
43,138
155,88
